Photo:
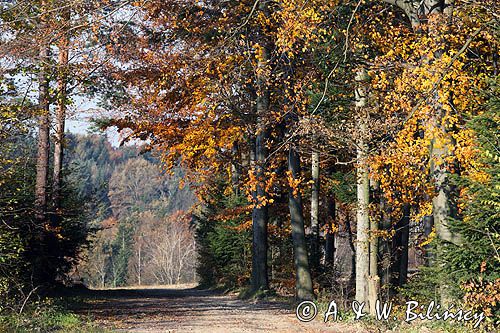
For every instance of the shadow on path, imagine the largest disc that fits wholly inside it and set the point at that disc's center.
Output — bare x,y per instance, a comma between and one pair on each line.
189,310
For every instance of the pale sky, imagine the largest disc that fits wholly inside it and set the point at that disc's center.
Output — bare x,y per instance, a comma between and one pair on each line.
79,114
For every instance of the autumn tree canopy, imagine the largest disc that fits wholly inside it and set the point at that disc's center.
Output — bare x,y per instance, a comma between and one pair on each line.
308,148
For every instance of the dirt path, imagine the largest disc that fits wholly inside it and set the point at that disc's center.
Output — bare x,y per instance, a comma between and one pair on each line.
192,310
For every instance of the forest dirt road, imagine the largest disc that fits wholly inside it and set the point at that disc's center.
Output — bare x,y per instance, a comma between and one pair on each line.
192,310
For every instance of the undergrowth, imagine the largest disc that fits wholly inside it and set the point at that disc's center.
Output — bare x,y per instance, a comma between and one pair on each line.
47,315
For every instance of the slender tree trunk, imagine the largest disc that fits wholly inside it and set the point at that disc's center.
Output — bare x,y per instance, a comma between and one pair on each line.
330,235
60,114
251,152
442,207
235,169
362,243
444,203
42,161
374,227
385,247
400,248
260,210
363,194
139,275
303,282
374,282
260,219
428,226
42,270
350,239
405,239
113,271
315,253
428,220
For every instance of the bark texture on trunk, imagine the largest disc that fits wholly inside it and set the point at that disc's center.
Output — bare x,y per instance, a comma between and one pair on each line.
260,217
260,220
362,242
400,249
374,226
315,253
373,293
385,248
374,281
42,160
428,226
235,169
303,282
442,206
60,115
363,194
443,209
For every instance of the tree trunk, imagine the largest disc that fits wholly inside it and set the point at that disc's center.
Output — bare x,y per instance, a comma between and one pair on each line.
373,293
235,169
348,229
315,254
139,275
42,161
303,282
400,249
374,282
444,203
428,226
385,248
362,242
60,114
442,207
373,233
260,219
260,209
42,244
363,194
405,239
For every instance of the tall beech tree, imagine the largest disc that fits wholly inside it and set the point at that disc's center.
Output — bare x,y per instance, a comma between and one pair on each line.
430,138
363,190
260,215
303,280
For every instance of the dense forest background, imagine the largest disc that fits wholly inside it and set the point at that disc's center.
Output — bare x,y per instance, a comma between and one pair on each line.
128,231
143,233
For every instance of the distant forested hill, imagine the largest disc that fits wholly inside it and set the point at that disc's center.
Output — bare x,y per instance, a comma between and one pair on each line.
141,216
